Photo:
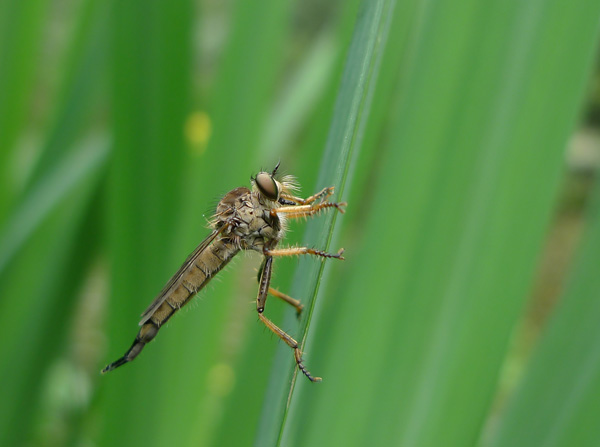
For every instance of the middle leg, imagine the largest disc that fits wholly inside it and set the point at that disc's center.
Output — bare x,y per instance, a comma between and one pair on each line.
294,251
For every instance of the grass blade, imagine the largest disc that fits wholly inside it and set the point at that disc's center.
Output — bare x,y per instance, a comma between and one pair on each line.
21,25
150,47
557,401
419,325
350,115
40,281
47,193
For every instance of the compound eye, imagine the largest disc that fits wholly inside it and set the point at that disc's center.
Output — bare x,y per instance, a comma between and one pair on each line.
267,186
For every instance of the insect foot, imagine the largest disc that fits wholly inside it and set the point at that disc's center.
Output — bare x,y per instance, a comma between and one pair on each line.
302,368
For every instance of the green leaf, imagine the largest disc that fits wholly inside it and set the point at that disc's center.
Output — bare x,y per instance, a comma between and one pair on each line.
558,400
48,244
21,27
350,116
68,175
440,262
150,48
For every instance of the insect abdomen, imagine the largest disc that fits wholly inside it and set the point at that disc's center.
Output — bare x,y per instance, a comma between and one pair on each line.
197,275
147,332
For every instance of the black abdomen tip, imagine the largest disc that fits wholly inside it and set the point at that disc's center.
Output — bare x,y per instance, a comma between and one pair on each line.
114,365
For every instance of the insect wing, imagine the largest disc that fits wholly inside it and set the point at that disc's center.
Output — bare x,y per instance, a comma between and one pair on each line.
172,284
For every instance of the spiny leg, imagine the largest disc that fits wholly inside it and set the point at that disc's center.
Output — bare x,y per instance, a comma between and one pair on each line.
288,299
292,344
263,283
325,192
282,296
260,307
296,211
293,251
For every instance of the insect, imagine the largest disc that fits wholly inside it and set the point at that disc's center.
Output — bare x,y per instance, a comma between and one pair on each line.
244,220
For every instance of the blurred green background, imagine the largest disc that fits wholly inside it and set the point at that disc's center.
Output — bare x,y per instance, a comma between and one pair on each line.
465,138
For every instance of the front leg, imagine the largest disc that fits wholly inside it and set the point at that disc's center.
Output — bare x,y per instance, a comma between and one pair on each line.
325,193
296,211
297,207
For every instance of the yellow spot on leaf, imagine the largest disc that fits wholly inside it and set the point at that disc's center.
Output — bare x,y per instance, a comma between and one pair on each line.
221,379
198,128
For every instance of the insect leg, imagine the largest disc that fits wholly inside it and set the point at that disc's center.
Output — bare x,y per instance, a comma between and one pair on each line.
282,296
288,299
325,192
307,210
260,307
263,283
293,251
292,344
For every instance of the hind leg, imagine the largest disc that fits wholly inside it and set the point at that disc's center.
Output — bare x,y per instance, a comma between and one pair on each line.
265,279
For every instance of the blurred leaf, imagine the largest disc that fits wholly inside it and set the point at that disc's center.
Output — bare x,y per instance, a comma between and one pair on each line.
150,46
45,253
40,283
558,400
67,175
76,102
21,26
301,93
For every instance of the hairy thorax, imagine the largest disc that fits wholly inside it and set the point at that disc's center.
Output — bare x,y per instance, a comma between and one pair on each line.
253,225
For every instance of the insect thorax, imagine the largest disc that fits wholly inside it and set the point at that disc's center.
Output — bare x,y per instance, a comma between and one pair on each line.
253,227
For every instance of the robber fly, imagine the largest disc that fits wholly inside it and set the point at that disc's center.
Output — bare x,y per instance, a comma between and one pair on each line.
244,220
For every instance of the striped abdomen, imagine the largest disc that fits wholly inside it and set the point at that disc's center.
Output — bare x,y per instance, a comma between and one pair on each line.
206,261
194,277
